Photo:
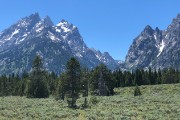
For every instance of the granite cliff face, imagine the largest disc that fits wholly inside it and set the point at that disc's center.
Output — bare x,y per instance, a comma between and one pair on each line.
156,48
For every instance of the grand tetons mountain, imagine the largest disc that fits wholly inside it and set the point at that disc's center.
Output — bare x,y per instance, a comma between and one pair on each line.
56,44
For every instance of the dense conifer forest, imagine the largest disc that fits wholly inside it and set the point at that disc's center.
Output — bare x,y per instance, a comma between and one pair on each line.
76,81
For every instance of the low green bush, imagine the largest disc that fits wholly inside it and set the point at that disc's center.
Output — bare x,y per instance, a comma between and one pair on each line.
93,100
137,91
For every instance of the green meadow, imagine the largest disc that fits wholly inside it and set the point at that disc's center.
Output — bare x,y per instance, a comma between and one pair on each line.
160,102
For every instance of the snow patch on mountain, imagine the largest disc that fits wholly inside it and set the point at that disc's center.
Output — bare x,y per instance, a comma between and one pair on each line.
65,26
166,36
155,37
161,47
62,23
14,33
98,57
39,29
79,55
52,36
23,23
65,29
57,30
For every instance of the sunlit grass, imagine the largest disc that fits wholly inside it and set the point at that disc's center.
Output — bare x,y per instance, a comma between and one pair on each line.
156,102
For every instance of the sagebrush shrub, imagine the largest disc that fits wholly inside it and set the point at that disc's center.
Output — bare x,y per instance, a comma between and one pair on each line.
137,91
93,100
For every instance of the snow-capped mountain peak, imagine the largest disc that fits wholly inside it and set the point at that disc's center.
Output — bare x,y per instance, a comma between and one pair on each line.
45,22
63,23
65,26
55,43
18,32
29,21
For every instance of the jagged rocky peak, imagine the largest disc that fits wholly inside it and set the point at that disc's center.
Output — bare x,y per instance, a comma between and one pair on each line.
144,48
156,48
34,16
30,20
157,34
26,23
47,21
64,23
43,23
175,25
175,21
65,26
18,31
178,16
148,30
34,21
106,54
157,30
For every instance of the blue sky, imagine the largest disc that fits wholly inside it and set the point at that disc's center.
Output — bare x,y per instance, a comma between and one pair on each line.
106,25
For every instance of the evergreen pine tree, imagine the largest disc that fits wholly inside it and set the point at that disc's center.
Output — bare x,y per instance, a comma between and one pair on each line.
51,82
159,77
138,77
102,88
38,85
128,79
101,77
84,82
73,82
150,76
62,86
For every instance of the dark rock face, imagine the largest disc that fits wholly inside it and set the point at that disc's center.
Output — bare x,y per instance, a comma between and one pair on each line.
54,43
156,48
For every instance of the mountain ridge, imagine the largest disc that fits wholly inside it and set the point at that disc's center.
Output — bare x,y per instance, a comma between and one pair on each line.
54,43
155,48
32,35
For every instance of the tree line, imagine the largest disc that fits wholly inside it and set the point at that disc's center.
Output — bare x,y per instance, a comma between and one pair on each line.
77,81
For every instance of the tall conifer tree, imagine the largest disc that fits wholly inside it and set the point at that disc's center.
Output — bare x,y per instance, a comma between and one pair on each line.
38,85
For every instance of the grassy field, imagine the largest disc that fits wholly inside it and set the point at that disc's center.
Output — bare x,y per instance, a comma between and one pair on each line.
157,102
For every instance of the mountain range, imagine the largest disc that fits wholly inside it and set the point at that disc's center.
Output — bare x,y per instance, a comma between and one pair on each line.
56,44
